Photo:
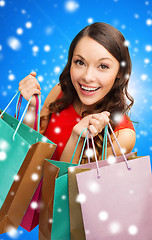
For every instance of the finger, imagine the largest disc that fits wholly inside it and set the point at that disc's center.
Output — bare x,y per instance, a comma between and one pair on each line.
33,74
93,130
29,81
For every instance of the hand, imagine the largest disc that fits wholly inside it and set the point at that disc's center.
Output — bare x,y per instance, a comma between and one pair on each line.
30,86
94,122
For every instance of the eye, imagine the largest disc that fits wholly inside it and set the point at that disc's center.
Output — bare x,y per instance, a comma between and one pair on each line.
79,62
103,66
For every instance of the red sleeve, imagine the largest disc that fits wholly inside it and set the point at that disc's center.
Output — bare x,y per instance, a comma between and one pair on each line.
124,123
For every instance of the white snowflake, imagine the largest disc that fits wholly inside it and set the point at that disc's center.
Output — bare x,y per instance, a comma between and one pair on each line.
35,49
23,11
0,47
89,152
111,159
115,227
144,77
127,43
71,6
11,77
133,230
146,60
34,205
12,232
57,130
81,198
19,31
93,186
34,176
103,216
57,69
149,22
16,178
63,197
118,117
90,20
3,156
148,48
48,30
14,43
47,48
40,78
59,210
2,3
4,145
136,15
123,64
28,24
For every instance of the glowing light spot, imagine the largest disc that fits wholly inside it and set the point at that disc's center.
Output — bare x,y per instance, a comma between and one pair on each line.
57,69
146,60
63,197
47,48
23,11
103,215
149,22
11,77
35,49
71,6
148,48
131,191
29,118
90,20
89,152
48,30
60,144
4,145
111,159
0,47
144,77
115,227
81,198
93,186
19,31
59,210
123,64
12,232
28,24
118,117
16,178
57,130
35,176
14,43
34,205
127,76
50,220
38,167
136,16
71,169
44,139
127,43
133,230
40,78
2,3
3,156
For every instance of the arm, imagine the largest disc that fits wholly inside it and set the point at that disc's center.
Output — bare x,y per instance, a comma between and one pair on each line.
126,138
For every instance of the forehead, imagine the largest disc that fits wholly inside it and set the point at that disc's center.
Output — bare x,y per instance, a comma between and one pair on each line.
88,46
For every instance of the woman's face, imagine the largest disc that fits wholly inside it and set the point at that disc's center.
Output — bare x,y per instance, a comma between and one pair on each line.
93,71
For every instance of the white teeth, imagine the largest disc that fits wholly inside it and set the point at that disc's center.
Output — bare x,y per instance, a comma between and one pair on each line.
88,88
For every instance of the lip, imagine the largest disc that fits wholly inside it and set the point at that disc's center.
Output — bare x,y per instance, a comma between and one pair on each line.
87,93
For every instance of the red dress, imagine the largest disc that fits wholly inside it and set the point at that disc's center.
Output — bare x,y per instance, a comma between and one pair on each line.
61,124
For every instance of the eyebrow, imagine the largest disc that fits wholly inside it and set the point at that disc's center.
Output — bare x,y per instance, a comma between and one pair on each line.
97,60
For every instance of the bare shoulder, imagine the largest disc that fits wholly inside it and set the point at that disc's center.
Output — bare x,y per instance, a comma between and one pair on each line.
52,96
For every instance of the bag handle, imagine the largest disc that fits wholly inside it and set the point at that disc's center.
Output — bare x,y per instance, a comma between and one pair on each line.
77,146
126,161
37,114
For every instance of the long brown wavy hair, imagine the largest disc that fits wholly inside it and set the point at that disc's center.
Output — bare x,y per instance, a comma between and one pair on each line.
118,99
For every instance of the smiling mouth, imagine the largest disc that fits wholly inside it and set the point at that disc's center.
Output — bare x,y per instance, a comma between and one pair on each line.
89,89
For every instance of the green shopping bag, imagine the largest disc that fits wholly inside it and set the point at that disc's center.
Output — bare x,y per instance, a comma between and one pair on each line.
22,153
54,222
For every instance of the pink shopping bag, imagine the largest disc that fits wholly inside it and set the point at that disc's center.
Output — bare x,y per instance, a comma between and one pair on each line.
116,202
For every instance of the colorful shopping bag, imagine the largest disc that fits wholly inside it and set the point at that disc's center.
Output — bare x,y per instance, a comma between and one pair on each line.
31,216
114,200
54,220
22,153
76,222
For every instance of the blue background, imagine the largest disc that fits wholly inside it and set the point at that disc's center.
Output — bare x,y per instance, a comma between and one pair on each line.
52,23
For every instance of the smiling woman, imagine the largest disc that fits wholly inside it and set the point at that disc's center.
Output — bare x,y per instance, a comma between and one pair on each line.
92,90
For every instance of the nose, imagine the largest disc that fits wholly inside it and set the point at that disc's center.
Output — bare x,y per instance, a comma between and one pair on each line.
89,74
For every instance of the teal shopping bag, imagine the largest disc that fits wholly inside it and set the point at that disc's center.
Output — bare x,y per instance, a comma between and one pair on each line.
22,153
54,222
